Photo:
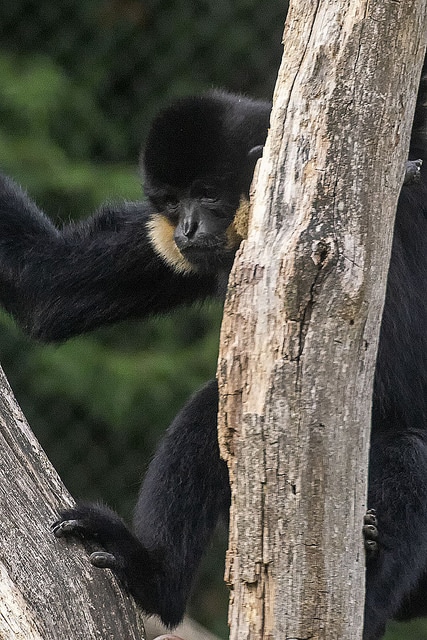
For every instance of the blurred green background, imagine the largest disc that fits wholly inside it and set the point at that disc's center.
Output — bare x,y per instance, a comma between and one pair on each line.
80,81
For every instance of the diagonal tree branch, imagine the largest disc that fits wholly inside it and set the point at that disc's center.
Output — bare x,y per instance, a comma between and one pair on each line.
48,589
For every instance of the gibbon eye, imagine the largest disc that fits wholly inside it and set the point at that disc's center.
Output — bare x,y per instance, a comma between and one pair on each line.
209,193
164,202
172,208
172,203
204,190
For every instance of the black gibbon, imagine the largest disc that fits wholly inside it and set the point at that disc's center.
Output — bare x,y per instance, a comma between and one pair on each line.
141,258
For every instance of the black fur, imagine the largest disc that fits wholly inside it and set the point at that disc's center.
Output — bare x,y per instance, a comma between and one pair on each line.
184,493
125,262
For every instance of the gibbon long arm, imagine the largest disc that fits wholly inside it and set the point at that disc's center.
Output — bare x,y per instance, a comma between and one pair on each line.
59,283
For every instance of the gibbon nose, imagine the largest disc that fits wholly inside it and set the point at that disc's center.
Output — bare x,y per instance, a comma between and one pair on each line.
187,229
190,224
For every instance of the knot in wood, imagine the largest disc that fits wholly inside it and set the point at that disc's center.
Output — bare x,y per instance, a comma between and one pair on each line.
321,253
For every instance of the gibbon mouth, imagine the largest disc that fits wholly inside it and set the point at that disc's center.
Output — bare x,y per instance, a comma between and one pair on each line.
208,258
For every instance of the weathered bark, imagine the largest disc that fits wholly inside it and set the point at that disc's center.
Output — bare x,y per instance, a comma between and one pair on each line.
302,317
48,589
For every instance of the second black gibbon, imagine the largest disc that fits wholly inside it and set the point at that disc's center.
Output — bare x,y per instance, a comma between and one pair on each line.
176,247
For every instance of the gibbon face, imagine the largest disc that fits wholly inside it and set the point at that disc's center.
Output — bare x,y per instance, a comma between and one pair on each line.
197,234
198,165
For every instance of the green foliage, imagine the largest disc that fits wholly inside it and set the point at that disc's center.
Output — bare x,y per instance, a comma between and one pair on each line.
128,58
35,94
415,630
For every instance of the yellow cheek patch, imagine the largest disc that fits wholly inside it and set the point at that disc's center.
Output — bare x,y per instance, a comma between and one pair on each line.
161,233
238,229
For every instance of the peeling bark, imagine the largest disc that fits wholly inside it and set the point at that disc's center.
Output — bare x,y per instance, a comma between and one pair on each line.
302,316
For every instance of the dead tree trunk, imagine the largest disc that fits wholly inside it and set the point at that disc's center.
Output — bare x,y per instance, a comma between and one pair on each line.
48,589
302,317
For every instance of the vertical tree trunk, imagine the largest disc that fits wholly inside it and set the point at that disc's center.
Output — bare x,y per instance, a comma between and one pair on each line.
48,588
302,317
